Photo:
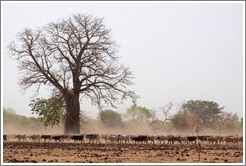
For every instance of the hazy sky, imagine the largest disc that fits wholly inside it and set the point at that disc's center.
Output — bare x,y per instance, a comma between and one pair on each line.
177,51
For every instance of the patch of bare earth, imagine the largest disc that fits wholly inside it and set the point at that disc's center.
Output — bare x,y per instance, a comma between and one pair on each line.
29,152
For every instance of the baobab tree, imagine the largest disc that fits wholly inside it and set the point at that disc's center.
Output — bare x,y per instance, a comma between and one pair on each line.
76,57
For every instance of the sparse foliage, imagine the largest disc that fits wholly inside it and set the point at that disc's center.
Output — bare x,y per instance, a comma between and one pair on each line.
166,110
226,120
194,123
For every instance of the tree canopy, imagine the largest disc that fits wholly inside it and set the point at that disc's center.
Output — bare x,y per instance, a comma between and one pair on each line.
206,111
138,113
77,58
111,118
180,122
50,111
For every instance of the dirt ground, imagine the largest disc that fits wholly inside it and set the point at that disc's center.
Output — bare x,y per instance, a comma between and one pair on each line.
68,152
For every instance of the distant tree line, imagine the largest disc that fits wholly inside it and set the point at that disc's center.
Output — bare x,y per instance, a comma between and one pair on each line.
191,115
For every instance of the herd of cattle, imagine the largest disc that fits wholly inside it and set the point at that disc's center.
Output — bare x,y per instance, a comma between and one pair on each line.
95,138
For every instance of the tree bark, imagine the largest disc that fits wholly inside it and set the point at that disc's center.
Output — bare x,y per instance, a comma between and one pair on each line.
72,120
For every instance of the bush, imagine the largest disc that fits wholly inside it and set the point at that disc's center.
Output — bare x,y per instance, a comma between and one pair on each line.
180,122
111,118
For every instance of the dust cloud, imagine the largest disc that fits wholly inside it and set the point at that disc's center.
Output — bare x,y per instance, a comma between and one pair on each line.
93,126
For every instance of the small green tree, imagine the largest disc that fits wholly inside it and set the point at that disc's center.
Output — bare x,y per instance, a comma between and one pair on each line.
138,113
111,118
50,111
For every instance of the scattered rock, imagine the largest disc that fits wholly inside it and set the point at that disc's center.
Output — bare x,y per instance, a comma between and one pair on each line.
225,160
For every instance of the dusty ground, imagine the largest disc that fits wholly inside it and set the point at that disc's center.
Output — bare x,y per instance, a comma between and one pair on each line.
29,152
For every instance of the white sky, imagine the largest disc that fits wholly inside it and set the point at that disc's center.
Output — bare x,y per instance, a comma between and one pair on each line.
177,51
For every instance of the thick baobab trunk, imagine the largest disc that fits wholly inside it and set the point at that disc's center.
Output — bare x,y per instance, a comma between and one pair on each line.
72,120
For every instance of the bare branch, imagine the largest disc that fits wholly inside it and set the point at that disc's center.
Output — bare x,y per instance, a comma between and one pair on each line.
74,54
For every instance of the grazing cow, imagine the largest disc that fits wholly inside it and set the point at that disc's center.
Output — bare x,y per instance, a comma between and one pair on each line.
35,138
105,137
46,137
113,138
221,139
140,138
191,139
213,139
151,139
57,138
93,137
162,139
203,138
123,138
229,139
64,137
78,138
21,137
182,139
4,137
172,139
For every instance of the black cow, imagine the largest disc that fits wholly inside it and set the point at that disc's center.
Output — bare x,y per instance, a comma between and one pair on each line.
21,137
203,138
78,138
191,139
56,138
64,137
171,139
140,138
93,137
46,137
